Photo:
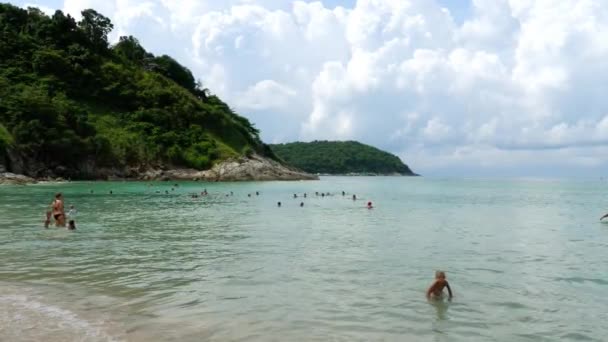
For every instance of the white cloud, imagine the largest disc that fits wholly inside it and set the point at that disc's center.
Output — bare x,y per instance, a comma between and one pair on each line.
47,10
267,94
518,83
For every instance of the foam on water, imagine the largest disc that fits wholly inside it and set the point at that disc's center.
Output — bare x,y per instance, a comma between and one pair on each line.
27,318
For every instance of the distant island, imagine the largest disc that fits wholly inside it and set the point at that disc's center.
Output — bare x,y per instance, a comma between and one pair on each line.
340,158
72,105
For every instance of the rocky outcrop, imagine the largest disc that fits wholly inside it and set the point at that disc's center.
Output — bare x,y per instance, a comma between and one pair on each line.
253,168
8,178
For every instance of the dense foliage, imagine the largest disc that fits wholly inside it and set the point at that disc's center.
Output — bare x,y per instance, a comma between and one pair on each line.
67,97
340,157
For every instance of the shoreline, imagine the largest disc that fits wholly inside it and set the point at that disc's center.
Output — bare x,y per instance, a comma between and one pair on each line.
243,169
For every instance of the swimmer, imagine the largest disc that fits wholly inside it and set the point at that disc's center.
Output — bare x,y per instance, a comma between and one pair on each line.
304,195
316,193
295,195
58,210
435,291
354,197
343,193
603,217
257,193
111,192
166,192
322,194
47,221
231,193
71,225
369,205
279,204
248,195
301,204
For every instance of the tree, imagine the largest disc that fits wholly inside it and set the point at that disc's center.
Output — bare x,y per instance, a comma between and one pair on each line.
130,49
201,92
96,28
171,69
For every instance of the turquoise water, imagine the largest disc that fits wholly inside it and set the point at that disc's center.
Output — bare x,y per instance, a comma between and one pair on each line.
527,260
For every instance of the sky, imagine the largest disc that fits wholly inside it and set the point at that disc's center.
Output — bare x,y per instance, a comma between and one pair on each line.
453,87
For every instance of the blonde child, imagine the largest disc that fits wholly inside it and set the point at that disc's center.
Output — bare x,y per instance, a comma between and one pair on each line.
435,291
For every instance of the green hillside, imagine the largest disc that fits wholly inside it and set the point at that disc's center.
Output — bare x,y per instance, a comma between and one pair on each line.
71,102
340,157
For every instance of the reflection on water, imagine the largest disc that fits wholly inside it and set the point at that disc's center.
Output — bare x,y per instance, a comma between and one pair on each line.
442,308
525,260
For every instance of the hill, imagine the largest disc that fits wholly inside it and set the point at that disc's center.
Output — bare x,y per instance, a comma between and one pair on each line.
73,105
340,157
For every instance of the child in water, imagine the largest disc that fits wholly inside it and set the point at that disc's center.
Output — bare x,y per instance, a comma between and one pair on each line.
47,221
71,225
435,291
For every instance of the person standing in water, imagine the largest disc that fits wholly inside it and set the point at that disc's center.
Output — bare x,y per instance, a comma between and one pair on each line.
354,197
435,291
58,210
369,205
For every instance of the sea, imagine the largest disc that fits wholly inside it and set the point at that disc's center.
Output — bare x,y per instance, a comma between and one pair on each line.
526,259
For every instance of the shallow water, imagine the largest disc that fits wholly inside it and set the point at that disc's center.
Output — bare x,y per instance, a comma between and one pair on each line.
526,260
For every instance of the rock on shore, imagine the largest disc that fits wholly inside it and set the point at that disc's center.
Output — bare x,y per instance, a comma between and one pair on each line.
253,168
9,178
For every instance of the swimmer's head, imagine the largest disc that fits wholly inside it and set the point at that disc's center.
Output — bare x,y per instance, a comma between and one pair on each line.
58,195
439,275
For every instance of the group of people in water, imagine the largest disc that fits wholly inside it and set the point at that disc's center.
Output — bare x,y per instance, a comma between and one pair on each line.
57,212
305,195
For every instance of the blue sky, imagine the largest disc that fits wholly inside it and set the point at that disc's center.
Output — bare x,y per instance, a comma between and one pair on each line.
490,88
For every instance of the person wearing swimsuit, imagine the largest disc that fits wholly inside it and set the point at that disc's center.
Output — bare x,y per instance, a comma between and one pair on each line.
58,211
